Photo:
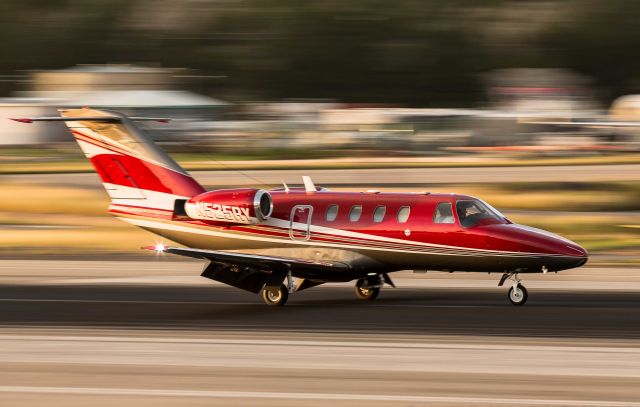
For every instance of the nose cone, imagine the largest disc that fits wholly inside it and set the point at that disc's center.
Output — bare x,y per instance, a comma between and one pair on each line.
567,254
551,243
574,249
570,256
539,249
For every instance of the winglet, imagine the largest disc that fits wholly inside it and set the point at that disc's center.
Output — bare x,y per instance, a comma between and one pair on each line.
309,186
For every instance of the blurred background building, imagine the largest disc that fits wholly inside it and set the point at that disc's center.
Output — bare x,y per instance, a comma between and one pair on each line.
133,90
417,77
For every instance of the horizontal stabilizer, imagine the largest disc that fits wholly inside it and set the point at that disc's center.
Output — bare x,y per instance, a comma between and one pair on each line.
104,119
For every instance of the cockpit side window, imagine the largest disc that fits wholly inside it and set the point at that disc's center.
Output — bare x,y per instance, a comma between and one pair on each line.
443,213
474,212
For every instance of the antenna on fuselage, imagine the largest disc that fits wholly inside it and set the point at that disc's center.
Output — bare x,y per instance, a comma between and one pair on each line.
286,187
309,186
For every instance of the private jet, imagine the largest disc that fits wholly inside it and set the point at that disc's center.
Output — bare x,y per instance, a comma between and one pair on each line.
282,241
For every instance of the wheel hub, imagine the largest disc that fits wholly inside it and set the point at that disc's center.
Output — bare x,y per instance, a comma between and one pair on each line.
274,295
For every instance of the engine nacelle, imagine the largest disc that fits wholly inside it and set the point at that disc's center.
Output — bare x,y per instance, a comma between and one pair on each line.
243,206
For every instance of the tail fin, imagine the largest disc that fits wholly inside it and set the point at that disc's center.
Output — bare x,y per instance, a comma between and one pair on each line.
134,171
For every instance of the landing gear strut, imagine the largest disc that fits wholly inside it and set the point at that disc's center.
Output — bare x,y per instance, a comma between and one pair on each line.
517,293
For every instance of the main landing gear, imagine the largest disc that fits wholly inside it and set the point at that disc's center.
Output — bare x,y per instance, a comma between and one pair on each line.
368,288
366,293
275,296
517,293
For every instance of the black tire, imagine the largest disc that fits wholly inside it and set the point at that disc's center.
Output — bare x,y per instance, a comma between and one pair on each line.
519,296
366,293
275,298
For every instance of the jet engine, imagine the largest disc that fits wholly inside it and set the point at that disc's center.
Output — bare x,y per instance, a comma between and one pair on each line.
242,206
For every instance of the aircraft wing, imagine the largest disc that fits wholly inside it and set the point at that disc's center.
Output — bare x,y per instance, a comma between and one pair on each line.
267,263
252,272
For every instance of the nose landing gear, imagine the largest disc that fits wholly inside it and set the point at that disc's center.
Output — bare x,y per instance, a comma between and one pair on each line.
517,293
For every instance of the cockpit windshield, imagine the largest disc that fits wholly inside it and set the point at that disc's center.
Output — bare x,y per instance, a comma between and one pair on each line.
474,212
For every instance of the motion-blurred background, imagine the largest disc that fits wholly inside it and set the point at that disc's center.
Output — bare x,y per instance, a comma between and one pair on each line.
473,97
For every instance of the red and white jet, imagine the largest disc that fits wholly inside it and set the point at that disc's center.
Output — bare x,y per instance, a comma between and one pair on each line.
290,239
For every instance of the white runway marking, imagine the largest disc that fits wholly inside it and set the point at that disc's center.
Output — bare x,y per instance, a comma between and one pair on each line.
97,391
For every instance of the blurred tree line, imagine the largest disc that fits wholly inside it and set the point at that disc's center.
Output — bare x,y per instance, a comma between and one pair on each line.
410,52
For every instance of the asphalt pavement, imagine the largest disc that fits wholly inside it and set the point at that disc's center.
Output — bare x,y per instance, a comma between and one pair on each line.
154,333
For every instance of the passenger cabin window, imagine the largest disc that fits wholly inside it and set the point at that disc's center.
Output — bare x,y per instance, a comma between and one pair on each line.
332,213
443,213
403,214
378,214
354,214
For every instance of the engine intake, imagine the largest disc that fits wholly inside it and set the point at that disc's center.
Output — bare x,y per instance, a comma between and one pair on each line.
246,206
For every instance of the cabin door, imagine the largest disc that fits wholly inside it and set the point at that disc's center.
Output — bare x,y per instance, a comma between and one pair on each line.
300,222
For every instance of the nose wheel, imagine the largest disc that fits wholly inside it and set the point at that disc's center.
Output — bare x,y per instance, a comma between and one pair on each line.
517,293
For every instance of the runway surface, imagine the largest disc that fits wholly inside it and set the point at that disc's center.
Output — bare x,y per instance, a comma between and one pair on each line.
153,333
416,176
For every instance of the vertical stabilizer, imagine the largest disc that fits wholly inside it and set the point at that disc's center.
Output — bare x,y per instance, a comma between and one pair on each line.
134,171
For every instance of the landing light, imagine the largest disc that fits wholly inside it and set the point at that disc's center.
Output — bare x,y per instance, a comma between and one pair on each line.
159,247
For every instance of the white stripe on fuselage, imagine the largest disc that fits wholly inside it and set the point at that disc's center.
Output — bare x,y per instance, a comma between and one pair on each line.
147,199
302,227
230,235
